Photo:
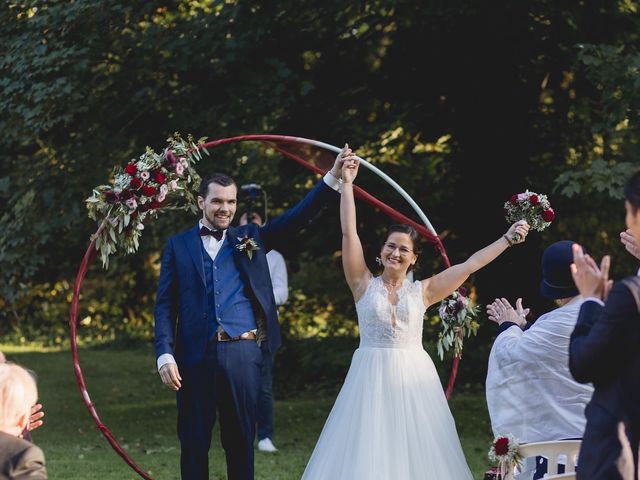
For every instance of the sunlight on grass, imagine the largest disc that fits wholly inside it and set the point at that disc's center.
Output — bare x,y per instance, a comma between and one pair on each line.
141,414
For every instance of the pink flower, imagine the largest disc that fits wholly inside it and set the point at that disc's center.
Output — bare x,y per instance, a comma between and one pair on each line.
174,185
161,196
144,175
131,203
179,168
164,189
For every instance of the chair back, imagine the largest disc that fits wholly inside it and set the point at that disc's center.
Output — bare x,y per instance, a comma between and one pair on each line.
551,451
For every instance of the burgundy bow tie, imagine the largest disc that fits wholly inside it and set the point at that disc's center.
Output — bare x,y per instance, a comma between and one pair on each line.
217,234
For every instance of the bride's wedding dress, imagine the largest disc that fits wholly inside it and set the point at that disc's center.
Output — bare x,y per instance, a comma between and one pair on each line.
391,420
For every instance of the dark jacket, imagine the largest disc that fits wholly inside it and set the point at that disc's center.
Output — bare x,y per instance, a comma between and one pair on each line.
605,350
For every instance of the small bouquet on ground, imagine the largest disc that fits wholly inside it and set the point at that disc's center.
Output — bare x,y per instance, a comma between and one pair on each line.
505,452
530,206
458,315
144,187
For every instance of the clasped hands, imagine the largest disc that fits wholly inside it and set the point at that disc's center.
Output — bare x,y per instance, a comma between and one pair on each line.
346,165
501,311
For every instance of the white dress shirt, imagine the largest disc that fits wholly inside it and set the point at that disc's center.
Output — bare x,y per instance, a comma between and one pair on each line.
278,274
530,391
278,278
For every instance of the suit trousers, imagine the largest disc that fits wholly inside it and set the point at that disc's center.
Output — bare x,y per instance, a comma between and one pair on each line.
227,380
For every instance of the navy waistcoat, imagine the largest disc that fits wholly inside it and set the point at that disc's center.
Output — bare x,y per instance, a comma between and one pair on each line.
229,306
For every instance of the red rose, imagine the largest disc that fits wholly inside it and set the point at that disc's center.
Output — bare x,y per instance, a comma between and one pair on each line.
111,196
501,446
548,215
131,169
160,178
148,190
135,183
155,204
533,199
514,199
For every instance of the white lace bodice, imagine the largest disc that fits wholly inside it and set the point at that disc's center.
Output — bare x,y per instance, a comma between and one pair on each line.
383,324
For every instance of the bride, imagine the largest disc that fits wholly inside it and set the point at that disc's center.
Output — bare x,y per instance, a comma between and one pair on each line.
391,420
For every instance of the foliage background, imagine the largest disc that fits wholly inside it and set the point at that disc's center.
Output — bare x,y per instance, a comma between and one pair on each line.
463,103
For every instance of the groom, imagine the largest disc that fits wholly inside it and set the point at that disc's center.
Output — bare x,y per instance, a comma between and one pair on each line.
214,307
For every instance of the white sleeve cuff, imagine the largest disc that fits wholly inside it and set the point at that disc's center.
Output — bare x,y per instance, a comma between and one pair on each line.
594,299
333,182
164,359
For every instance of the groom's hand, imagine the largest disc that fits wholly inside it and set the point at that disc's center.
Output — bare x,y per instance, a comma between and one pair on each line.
336,170
171,376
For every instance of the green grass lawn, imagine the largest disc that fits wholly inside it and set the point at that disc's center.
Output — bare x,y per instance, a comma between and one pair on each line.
141,414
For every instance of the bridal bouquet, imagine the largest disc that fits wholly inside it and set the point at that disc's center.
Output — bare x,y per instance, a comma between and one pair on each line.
505,451
458,315
530,206
140,190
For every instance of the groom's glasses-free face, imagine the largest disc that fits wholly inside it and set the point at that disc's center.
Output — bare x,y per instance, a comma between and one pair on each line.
404,251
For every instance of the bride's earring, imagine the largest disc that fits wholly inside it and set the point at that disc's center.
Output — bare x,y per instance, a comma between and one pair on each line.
378,260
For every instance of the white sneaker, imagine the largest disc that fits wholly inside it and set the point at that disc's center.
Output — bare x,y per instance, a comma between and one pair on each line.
266,445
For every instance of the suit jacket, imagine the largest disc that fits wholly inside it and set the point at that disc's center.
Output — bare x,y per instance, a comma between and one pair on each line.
181,312
20,460
605,350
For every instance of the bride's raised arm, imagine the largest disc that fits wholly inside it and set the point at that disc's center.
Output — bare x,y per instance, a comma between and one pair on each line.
355,268
443,284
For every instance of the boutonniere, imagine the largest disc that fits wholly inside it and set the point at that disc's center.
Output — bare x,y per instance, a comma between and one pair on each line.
247,245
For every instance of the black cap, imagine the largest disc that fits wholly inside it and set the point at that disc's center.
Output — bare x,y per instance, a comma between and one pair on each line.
557,281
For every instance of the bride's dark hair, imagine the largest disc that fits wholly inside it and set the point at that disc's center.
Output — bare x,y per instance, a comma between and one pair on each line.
409,230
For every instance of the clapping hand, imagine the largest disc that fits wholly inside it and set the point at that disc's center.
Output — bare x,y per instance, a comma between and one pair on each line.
591,280
518,232
35,418
629,242
501,311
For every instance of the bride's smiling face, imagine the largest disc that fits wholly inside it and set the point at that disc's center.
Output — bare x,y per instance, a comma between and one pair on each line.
397,253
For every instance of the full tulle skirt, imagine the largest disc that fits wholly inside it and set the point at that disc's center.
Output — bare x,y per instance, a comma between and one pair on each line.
390,421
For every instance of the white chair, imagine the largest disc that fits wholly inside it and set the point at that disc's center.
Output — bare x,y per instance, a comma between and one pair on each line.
561,476
551,451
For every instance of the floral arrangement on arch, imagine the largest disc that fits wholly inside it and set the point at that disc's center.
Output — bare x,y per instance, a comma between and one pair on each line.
152,183
530,206
505,452
458,315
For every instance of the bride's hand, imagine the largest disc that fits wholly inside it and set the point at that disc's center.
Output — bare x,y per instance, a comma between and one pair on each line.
350,168
517,232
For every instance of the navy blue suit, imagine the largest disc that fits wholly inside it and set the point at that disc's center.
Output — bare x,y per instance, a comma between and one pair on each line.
605,350
195,295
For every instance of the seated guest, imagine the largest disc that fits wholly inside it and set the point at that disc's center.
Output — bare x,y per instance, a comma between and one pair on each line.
35,420
529,389
19,459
